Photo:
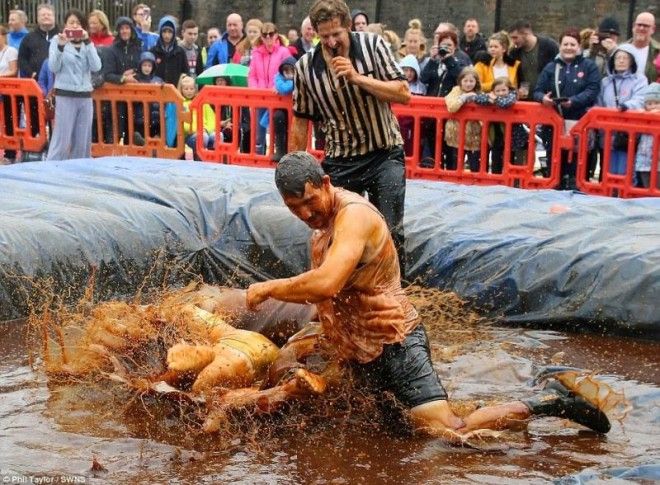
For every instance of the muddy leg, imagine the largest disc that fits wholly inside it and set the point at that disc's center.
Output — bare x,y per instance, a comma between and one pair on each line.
503,416
303,384
189,358
436,419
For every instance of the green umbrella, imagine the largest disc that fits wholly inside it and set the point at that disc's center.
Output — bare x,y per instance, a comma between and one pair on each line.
236,73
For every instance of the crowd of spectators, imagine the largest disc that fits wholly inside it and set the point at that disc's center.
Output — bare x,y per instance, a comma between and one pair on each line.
578,70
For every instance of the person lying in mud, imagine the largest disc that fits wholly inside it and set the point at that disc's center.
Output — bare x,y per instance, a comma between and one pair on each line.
183,347
366,318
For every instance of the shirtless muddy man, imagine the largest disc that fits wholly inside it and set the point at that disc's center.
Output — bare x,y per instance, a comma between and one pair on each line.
366,318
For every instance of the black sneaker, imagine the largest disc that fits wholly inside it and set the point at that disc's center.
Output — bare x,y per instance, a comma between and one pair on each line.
557,400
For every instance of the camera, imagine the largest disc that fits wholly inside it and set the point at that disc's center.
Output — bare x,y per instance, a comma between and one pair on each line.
75,34
442,52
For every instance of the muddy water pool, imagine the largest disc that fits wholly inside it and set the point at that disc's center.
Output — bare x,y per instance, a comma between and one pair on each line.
57,431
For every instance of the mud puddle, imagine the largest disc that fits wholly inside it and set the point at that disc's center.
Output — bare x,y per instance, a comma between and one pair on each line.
57,431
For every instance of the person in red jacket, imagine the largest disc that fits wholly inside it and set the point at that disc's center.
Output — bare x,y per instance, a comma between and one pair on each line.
99,29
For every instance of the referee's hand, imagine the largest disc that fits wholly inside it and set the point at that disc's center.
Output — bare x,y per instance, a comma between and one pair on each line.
344,68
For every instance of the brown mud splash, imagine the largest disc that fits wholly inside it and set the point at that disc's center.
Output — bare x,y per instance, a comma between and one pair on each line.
76,343
126,343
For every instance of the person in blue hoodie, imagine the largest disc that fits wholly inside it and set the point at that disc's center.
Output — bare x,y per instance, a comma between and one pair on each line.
72,60
569,83
622,89
283,87
171,60
16,24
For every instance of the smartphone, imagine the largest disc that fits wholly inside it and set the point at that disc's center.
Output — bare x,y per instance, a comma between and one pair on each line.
559,100
75,34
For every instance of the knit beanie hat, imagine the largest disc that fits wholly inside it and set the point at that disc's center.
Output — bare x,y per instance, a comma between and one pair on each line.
609,25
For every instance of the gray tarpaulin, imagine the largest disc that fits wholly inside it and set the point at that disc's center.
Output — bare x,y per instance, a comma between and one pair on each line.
527,256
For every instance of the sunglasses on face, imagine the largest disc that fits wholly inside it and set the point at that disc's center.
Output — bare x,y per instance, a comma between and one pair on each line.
268,34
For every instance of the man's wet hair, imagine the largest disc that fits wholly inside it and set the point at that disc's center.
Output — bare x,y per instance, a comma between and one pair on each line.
293,172
325,10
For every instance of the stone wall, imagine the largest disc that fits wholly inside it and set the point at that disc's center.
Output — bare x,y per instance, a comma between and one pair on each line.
547,16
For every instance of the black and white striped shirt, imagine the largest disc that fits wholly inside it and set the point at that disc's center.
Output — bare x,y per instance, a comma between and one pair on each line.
355,121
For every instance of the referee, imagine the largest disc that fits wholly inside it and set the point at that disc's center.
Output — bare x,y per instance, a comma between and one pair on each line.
347,83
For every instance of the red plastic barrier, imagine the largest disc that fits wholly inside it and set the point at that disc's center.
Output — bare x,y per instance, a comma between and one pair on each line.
116,104
532,115
247,108
248,105
607,121
22,95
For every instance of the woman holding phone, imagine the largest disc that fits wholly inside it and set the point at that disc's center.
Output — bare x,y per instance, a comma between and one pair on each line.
72,58
570,84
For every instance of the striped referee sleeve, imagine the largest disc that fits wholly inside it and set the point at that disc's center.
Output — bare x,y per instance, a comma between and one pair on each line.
386,65
303,104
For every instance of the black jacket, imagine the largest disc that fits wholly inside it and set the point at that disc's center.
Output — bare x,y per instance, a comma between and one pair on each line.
548,49
471,48
120,57
170,64
33,51
441,86
300,49
579,81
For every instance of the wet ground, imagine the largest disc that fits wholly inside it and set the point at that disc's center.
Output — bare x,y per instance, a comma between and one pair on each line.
59,430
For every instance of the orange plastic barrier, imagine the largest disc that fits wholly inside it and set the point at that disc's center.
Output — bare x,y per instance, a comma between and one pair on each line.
248,105
532,115
247,108
115,107
606,122
26,100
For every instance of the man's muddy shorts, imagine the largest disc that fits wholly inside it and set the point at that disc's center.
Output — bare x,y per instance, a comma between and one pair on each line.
405,369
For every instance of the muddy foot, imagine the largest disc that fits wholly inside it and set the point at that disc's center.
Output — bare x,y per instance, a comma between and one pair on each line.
311,382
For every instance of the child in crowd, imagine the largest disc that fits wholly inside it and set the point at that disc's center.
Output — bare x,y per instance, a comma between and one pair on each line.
644,155
146,74
503,95
225,112
411,70
283,87
465,91
171,60
188,90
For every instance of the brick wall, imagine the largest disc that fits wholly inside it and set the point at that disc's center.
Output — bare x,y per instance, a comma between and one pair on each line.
547,16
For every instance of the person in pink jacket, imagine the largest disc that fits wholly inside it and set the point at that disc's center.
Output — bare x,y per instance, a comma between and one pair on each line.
268,54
